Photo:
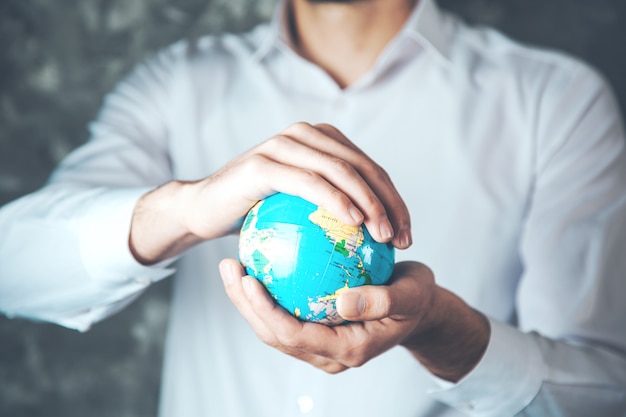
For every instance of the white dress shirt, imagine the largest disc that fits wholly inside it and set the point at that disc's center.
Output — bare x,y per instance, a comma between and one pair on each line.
511,161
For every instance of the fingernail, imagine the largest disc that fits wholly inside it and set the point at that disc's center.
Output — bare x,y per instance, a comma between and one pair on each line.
356,215
386,231
226,272
404,238
352,305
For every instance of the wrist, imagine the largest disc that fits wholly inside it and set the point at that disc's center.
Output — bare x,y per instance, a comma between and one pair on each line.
159,228
455,338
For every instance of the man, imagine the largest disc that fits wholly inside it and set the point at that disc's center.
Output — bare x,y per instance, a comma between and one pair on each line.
504,175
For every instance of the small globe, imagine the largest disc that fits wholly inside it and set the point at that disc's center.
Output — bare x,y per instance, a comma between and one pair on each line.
306,257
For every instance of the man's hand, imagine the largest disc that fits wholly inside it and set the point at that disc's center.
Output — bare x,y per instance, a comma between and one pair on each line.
317,163
438,328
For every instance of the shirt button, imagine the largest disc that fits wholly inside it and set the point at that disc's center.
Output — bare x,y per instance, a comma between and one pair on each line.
305,404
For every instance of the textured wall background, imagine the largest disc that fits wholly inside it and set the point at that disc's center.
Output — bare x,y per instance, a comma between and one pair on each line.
57,59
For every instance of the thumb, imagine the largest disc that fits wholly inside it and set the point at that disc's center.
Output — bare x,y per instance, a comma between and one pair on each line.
410,290
365,303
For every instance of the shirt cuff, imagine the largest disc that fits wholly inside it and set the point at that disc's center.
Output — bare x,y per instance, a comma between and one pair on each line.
103,238
504,382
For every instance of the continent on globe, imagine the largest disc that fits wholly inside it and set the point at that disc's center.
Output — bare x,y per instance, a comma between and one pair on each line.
306,257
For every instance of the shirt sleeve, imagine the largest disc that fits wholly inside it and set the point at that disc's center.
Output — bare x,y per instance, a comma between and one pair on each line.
565,352
64,254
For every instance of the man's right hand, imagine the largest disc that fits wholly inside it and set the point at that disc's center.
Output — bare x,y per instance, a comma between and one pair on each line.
317,163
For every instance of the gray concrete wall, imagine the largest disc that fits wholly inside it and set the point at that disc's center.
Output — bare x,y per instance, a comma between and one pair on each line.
57,59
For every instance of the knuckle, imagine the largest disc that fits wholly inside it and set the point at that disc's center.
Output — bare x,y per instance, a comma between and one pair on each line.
383,175
298,129
333,368
267,339
383,304
373,201
329,130
326,126
376,208
336,195
309,177
355,360
342,167
375,172
276,143
289,340
405,222
335,133
255,163
357,354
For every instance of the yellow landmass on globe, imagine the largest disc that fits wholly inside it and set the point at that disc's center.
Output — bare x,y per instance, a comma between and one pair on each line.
326,304
334,295
351,237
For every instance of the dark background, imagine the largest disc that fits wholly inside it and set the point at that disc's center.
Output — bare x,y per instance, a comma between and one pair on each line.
58,58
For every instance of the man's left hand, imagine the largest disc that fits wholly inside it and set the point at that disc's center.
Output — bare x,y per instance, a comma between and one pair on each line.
411,311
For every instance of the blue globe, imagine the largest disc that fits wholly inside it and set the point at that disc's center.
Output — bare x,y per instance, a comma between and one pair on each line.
306,257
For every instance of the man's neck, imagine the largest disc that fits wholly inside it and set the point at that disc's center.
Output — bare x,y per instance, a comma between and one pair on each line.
345,38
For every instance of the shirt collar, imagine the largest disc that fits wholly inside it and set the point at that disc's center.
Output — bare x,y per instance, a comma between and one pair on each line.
278,33
427,25
431,28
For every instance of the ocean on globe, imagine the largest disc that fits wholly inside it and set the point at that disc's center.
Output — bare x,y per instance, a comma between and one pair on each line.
306,257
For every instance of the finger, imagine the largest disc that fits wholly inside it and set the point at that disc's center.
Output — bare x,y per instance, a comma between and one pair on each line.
408,294
286,328
339,161
337,135
339,173
327,158
289,331
232,272
384,188
233,276
330,348
259,176
325,151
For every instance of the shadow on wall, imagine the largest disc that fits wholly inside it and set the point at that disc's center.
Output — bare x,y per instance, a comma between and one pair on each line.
59,58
